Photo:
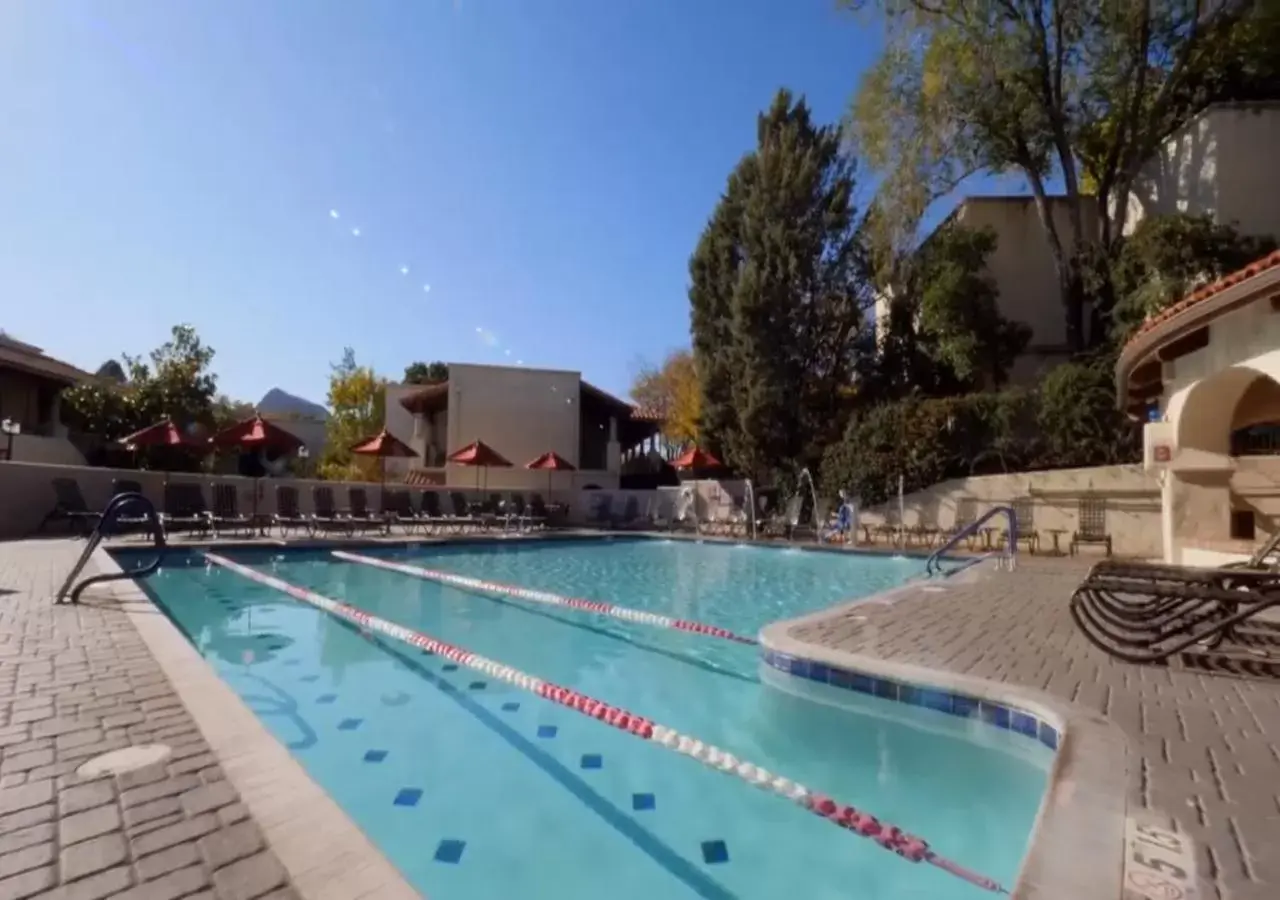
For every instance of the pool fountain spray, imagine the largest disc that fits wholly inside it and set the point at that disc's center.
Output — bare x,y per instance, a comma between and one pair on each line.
749,494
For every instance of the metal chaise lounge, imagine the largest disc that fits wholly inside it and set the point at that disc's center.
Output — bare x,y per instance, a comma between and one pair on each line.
69,506
397,509
432,515
326,516
602,512
287,514
185,509
360,514
226,511
524,517
1211,618
463,517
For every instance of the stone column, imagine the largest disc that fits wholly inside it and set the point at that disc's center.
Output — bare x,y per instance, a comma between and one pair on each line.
613,453
420,436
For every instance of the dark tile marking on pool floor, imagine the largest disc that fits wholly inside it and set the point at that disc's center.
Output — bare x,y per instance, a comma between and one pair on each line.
641,802
407,797
592,761
477,686
547,731
326,698
309,678
449,851
449,667
375,756
349,724
714,852
646,841
510,707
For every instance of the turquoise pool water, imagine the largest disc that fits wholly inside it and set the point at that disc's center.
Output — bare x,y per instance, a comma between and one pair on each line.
474,789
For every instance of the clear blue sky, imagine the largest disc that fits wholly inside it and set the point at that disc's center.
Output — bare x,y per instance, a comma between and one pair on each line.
544,166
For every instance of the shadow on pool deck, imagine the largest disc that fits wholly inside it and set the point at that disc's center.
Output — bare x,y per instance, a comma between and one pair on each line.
1209,746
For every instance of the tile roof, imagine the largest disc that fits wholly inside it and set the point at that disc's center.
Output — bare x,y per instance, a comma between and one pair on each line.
1270,261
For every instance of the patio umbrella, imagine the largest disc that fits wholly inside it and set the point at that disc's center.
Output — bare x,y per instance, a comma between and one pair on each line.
551,462
696,459
162,434
480,455
258,434
384,445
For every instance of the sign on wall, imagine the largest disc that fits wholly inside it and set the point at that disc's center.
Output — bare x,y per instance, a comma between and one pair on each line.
1158,445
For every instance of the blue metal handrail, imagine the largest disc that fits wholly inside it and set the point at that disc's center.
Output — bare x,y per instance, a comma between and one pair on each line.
69,594
934,564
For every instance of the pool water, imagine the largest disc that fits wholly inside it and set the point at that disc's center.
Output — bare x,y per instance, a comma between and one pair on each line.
475,789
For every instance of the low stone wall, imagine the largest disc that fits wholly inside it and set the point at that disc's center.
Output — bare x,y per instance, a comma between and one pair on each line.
27,494
1132,498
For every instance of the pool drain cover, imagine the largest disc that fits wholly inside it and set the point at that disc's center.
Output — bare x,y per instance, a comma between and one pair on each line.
117,762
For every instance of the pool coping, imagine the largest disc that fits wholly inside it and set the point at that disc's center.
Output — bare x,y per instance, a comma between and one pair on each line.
325,853
1082,814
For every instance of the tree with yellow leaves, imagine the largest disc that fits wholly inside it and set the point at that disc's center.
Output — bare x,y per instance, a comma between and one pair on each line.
672,391
357,400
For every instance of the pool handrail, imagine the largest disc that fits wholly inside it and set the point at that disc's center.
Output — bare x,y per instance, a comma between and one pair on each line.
933,566
110,513
889,837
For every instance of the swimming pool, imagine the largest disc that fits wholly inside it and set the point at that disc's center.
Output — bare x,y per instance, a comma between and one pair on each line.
473,788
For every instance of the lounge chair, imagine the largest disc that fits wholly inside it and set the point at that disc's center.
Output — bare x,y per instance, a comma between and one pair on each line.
326,516
523,516
631,516
287,514
1145,613
539,511
185,509
602,512
397,509
966,517
433,516
465,515
359,513
802,526
1092,514
1024,515
226,510
128,521
781,520
69,506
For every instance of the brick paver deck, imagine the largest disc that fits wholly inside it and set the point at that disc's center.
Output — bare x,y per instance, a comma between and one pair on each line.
1209,746
76,682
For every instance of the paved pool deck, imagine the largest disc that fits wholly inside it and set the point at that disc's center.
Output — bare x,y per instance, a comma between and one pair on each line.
1205,748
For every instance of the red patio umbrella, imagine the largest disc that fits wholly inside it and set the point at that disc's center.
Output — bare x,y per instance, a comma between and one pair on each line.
259,434
696,459
384,445
551,462
480,455
161,434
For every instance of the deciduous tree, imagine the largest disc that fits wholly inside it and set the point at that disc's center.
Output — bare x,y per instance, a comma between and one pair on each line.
357,403
674,392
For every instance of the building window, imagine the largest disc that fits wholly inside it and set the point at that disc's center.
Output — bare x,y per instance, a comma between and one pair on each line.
1243,526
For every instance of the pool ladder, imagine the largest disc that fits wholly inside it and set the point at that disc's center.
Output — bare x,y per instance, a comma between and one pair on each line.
1007,560
70,591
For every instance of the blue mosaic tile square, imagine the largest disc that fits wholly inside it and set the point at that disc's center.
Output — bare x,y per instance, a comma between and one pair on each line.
910,694
936,700
714,852
326,698
783,662
643,801
510,707
547,731
375,756
841,678
994,714
1048,735
800,667
862,683
477,686
408,797
310,678
819,672
964,706
449,851
349,724
886,688
592,761
449,667
1025,724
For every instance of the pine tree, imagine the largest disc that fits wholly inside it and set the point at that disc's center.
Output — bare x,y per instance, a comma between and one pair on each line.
776,298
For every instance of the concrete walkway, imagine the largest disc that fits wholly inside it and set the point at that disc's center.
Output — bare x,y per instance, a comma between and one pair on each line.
1209,746
76,682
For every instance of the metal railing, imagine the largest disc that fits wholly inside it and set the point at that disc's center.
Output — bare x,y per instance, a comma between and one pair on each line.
70,591
934,564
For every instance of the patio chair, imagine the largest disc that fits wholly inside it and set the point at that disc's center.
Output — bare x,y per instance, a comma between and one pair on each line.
925,531
524,517
432,515
630,517
1024,514
69,506
359,513
185,508
779,522
539,510
805,526
464,515
326,516
1092,516
287,514
1146,613
966,517
602,512
226,510
397,509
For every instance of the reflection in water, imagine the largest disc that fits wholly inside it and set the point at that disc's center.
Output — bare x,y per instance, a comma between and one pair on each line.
281,704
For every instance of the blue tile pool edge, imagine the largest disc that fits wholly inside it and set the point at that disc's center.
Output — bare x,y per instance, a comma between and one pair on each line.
1003,716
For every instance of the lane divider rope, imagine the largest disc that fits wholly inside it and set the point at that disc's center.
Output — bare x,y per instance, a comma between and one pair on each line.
863,824
625,613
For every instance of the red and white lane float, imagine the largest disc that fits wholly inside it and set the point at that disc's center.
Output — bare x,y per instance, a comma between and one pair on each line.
889,837
466,582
